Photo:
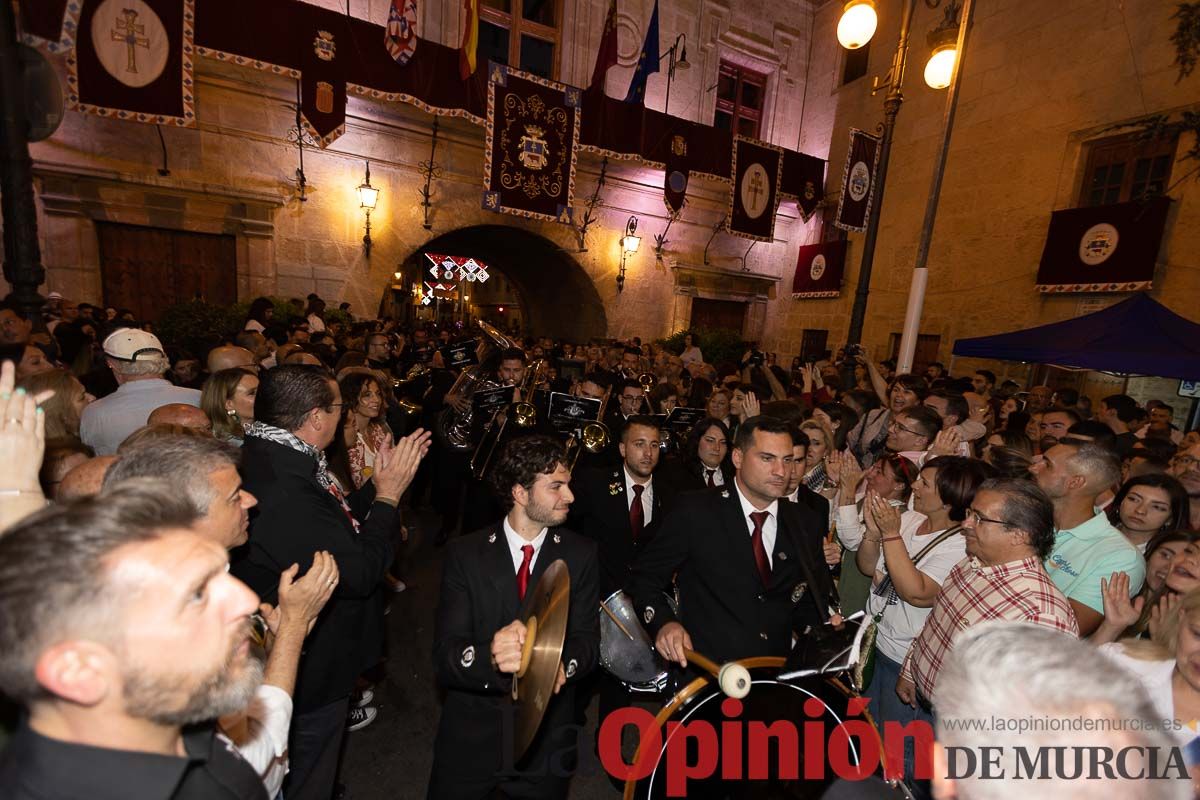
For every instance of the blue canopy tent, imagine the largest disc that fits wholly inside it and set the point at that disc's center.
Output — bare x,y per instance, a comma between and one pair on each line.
1137,336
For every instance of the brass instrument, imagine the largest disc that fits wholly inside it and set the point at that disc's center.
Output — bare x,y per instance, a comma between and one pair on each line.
593,436
523,413
648,382
454,426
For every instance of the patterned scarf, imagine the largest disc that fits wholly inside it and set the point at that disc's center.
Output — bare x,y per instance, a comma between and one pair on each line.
260,430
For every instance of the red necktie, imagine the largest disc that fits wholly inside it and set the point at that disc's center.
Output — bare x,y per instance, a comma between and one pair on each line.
637,514
710,472
760,552
523,572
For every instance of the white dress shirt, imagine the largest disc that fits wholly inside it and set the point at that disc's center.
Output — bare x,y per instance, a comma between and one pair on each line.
516,541
770,525
260,734
717,478
647,495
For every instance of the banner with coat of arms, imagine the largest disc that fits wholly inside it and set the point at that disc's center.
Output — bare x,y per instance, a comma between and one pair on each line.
754,193
819,270
675,178
133,60
1111,248
858,182
323,82
530,145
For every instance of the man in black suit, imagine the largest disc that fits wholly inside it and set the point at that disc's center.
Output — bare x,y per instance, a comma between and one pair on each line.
479,635
301,511
749,569
796,491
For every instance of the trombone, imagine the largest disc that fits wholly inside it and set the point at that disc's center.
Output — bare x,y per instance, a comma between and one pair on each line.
593,436
522,412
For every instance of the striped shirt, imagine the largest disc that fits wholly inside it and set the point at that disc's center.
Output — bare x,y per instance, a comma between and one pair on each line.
1019,591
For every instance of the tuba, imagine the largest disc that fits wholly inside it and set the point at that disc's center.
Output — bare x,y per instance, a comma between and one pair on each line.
454,426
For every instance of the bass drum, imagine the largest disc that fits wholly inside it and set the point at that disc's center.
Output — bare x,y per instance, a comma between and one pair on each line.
770,700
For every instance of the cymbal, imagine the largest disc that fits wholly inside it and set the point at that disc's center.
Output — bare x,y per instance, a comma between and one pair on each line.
546,628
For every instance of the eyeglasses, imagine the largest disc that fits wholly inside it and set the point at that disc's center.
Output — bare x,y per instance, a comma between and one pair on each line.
976,518
894,425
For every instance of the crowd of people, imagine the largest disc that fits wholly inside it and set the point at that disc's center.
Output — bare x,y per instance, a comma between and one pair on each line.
198,547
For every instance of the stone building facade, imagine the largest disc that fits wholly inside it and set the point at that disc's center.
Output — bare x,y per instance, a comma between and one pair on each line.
1042,82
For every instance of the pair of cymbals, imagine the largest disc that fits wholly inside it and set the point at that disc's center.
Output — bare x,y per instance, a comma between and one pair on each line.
545,632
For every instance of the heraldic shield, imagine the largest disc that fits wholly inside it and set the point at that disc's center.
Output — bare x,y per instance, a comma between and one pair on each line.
530,146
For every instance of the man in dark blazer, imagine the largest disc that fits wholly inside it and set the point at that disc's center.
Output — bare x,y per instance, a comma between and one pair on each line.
299,512
749,568
487,582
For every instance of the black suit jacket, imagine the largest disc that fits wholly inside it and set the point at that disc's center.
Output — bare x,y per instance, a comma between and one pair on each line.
691,476
724,606
818,504
295,517
478,597
602,515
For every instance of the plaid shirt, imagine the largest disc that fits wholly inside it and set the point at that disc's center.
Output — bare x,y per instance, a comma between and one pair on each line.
1019,591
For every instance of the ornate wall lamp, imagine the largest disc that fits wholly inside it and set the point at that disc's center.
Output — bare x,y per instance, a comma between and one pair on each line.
630,243
368,196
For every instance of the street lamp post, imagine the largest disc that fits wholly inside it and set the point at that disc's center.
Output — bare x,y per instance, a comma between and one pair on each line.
678,55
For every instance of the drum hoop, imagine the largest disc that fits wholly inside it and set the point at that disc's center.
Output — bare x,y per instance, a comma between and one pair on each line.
686,693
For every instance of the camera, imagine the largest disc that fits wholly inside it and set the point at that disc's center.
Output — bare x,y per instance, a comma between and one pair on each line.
756,358
854,350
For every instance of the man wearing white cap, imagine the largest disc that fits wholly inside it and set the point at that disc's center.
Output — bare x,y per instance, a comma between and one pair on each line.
138,362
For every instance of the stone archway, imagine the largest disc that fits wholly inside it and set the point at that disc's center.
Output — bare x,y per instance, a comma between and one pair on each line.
557,296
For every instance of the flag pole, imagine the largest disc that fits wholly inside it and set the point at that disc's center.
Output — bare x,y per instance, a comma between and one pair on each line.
920,278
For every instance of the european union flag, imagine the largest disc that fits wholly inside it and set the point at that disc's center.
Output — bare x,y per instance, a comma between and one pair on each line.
647,62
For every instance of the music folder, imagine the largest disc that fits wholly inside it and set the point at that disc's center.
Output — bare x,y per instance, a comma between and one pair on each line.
461,354
681,420
568,412
487,402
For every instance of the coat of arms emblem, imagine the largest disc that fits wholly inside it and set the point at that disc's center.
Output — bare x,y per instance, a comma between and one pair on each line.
678,146
323,46
533,148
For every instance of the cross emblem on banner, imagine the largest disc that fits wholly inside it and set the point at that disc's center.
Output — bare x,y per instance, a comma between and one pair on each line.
756,187
128,31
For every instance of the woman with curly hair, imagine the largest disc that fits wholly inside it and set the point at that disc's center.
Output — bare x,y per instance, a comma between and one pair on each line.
362,397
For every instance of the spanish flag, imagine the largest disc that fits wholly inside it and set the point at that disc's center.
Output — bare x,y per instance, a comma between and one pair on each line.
466,53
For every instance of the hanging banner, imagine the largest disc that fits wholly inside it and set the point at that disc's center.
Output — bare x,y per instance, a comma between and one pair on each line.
530,145
675,179
754,193
1110,248
803,181
858,182
49,23
133,60
323,81
819,270
401,37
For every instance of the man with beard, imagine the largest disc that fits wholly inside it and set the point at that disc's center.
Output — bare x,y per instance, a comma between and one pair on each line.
1054,426
1186,467
487,584
749,569
123,635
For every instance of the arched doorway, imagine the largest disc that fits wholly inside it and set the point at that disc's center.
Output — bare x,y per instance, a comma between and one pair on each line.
557,298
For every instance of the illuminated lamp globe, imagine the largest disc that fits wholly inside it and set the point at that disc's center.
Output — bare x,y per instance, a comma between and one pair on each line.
857,25
939,70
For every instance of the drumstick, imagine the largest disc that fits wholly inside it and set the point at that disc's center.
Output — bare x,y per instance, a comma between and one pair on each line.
616,621
703,662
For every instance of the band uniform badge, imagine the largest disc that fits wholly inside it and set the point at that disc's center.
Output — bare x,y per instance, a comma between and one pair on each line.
468,657
648,614
798,591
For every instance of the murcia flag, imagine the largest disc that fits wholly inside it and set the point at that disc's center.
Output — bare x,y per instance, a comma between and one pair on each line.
858,182
754,193
401,36
133,60
1104,248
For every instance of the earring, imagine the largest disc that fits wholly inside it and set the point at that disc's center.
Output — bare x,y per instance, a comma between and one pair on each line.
231,412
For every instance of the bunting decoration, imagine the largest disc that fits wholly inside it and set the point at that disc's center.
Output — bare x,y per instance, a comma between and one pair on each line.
323,83
457,268
530,145
133,60
819,270
858,182
754,189
401,37
1111,248
647,62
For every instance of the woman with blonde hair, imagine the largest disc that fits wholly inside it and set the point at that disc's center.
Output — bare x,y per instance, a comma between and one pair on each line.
820,445
65,407
228,400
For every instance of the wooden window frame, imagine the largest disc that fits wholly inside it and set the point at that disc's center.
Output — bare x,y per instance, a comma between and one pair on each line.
734,108
1127,150
518,26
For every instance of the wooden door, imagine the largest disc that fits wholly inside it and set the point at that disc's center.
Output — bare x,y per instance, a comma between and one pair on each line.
147,269
727,315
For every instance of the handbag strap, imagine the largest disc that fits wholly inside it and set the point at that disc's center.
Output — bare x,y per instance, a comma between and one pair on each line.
886,585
